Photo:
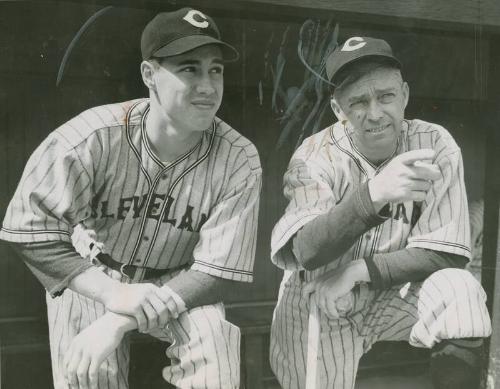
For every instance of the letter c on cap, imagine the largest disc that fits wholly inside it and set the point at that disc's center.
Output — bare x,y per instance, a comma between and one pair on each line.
351,45
190,18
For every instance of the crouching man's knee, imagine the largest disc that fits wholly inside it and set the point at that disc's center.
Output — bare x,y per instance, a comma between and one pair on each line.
451,305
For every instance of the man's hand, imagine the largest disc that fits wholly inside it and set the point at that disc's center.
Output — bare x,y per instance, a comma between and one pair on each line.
89,349
333,290
149,304
407,177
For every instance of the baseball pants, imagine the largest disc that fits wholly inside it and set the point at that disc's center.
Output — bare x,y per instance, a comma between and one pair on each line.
448,304
204,350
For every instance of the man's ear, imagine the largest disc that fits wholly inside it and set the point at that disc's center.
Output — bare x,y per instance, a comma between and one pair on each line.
406,92
148,72
337,110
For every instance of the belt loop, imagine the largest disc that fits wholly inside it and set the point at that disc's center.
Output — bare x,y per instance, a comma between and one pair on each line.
302,275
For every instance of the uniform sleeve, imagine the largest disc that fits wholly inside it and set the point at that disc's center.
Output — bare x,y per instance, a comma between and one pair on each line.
196,288
330,235
226,247
309,193
444,222
54,263
53,195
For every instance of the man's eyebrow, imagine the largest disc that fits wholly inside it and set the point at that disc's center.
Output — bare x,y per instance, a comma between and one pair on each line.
188,62
390,89
364,95
357,97
185,62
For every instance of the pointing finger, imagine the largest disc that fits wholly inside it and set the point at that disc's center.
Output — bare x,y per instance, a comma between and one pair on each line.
427,171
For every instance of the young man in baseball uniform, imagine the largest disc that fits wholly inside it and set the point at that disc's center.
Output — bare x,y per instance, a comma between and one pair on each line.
375,233
161,199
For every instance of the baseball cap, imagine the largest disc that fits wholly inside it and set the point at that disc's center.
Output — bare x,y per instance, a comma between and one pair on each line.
356,48
174,33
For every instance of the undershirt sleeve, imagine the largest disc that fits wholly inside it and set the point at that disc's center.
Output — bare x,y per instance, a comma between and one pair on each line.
198,288
328,236
56,263
409,265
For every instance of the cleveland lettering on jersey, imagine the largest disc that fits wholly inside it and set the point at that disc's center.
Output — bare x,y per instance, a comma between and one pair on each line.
189,218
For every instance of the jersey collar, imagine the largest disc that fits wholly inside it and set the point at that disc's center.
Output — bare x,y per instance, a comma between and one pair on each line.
342,139
140,145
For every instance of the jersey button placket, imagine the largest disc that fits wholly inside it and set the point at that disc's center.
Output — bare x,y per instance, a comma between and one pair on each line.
144,247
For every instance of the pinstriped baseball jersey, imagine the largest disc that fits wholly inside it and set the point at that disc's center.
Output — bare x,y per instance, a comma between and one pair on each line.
449,304
99,170
328,166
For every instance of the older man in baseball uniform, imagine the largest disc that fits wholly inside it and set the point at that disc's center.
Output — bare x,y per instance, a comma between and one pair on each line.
160,197
375,233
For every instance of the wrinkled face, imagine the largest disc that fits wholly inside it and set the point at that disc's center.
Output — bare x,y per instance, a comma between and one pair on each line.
189,87
374,106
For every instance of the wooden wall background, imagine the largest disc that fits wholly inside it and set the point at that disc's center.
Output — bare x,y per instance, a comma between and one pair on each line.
450,62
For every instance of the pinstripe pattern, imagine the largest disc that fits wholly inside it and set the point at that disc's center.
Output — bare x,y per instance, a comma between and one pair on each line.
98,169
97,176
68,315
200,359
449,304
204,349
327,166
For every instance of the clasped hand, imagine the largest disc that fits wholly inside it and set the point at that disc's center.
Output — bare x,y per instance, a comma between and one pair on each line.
332,291
88,350
150,305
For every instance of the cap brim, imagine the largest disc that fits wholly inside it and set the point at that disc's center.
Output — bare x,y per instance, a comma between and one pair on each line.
364,57
188,43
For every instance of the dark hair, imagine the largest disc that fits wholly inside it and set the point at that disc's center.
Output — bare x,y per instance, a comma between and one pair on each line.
353,72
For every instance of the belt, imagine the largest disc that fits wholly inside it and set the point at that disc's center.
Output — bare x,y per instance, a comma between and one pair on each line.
130,270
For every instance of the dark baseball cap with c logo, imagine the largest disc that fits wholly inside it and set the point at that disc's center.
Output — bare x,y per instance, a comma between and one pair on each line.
356,48
174,33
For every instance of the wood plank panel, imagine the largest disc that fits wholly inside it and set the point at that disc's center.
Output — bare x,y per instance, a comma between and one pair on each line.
484,12
452,15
